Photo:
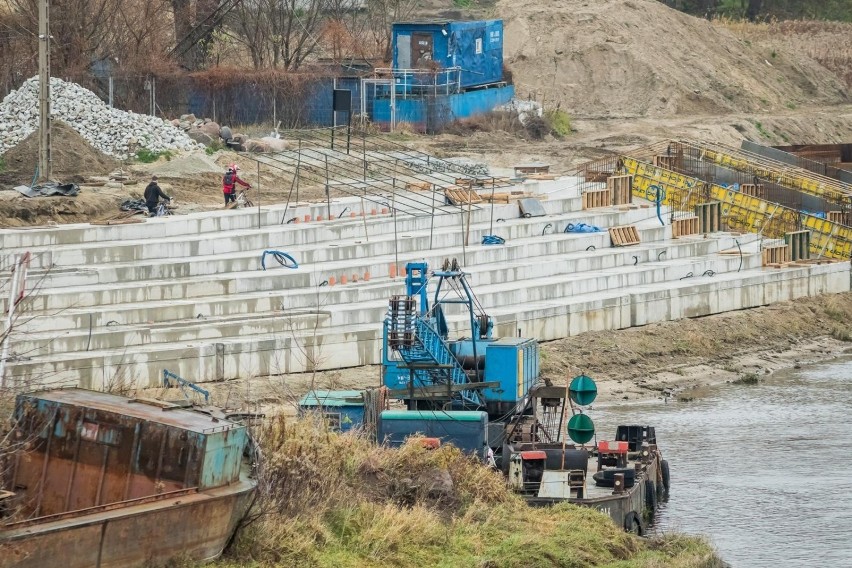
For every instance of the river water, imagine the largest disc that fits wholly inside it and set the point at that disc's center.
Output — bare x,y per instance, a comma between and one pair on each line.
764,471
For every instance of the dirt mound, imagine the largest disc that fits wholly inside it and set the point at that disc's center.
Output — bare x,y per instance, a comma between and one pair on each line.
639,57
72,156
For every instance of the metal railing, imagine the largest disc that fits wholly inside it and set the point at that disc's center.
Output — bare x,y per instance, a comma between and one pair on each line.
409,82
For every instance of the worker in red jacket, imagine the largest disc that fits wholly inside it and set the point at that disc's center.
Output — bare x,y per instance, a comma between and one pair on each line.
229,183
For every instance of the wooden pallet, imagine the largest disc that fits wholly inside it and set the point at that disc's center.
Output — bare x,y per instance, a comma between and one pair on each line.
685,226
709,217
462,196
754,190
842,217
799,243
597,198
773,255
621,188
624,235
418,186
667,162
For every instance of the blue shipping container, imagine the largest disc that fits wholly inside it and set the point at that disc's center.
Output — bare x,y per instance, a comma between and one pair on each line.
344,408
467,430
476,47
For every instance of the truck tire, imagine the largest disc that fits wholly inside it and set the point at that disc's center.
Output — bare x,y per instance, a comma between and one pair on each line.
633,524
664,469
650,496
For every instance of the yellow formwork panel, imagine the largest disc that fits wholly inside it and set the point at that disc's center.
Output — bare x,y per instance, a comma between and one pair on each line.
783,177
741,212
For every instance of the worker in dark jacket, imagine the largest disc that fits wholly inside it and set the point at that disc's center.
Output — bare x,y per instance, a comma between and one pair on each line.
229,183
153,194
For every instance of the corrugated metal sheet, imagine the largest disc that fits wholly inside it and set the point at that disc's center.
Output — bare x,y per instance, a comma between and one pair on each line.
332,398
179,418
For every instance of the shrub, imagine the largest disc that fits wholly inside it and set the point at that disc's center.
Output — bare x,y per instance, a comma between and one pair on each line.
147,156
559,122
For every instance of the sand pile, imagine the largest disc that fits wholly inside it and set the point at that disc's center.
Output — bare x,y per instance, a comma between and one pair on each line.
72,157
639,57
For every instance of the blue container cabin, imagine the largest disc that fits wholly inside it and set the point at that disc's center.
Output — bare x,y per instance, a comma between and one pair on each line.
442,71
469,53
465,429
344,409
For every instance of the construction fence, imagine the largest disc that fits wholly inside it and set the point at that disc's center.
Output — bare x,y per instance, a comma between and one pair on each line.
227,96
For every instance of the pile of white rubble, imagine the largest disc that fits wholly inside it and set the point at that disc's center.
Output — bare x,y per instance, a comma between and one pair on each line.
114,132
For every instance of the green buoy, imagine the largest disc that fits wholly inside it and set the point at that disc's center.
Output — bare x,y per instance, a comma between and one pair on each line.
583,390
581,429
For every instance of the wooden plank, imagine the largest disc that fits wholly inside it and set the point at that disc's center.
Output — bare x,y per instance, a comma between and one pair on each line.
542,177
418,186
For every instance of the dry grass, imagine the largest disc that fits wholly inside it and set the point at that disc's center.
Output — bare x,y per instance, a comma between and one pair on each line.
829,43
336,500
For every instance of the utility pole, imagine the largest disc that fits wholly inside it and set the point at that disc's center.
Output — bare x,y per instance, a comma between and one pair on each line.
43,91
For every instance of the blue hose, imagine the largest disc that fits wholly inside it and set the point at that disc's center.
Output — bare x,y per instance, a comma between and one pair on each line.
493,240
283,259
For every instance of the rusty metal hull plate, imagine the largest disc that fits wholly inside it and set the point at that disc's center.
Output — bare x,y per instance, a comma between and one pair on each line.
198,525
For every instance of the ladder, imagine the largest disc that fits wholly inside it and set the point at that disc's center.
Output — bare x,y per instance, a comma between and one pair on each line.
427,354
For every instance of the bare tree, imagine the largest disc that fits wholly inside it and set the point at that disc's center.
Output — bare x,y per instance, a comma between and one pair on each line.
344,32
280,33
82,30
380,15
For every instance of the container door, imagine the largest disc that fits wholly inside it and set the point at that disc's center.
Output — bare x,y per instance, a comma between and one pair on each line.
421,49
403,51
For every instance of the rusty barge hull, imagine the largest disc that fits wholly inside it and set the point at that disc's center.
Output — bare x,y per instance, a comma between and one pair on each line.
198,525
100,480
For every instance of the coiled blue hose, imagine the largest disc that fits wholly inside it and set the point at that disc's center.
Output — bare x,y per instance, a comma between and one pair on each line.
493,240
283,259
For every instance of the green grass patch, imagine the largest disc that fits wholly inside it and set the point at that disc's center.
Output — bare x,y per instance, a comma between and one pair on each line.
2,164
747,379
463,3
762,131
147,156
214,147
